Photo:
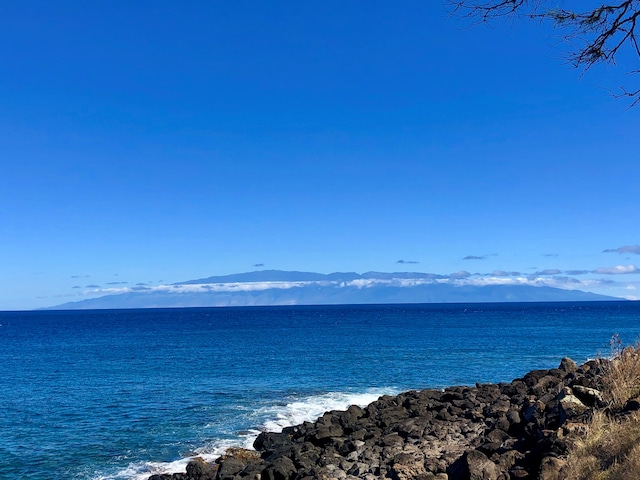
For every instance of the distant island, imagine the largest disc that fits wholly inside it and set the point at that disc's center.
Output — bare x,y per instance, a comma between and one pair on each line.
276,287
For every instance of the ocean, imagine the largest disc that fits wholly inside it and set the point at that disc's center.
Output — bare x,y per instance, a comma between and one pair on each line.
123,394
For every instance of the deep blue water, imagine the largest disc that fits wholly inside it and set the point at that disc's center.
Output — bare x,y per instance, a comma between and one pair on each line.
121,394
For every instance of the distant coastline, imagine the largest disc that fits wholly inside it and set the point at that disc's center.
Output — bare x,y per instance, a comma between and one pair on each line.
274,287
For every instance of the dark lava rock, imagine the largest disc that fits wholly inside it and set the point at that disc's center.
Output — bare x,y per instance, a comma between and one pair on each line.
486,432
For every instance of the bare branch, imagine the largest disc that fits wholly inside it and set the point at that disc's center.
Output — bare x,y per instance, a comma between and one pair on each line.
602,31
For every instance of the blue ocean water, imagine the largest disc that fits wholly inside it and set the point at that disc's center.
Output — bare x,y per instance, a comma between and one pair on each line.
122,394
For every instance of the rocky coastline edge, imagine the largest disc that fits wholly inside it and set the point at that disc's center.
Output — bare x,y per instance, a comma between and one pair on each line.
517,430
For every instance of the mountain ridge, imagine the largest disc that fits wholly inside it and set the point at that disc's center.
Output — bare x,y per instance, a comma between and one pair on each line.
278,287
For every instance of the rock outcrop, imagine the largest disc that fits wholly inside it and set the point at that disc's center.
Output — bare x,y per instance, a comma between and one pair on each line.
516,430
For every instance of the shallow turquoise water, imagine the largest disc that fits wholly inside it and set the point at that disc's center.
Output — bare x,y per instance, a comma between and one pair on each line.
123,394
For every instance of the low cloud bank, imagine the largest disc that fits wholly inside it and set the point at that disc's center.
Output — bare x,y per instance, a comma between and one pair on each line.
633,249
541,279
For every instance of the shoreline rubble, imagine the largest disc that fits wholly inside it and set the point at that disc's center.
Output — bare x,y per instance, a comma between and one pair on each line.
504,431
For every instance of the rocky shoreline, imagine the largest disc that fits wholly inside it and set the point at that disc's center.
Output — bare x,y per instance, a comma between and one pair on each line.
516,430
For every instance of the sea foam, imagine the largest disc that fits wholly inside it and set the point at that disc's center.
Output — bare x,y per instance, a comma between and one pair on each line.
269,419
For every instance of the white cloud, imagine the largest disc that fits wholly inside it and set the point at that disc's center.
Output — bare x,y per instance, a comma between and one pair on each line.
634,249
107,291
566,283
550,271
261,286
391,282
229,287
460,274
617,270
207,287
459,279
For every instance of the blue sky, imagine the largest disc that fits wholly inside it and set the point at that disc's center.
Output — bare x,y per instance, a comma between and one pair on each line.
157,142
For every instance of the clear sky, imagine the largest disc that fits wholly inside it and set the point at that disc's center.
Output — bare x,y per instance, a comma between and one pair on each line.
154,142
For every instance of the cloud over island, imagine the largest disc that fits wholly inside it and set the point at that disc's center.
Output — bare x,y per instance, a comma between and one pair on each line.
555,278
633,249
617,270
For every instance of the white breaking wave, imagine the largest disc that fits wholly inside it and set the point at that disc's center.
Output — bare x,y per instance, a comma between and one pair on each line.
309,409
272,419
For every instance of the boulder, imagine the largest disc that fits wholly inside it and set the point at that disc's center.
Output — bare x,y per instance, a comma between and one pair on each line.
198,469
282,468
408,467
568,365
550,468
475,465
589,396
570,405
272,443
632,405
229,469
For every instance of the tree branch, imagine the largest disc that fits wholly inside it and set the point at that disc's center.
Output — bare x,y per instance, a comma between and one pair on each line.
604,31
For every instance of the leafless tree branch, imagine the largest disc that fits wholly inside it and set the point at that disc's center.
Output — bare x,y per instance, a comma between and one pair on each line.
602,31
